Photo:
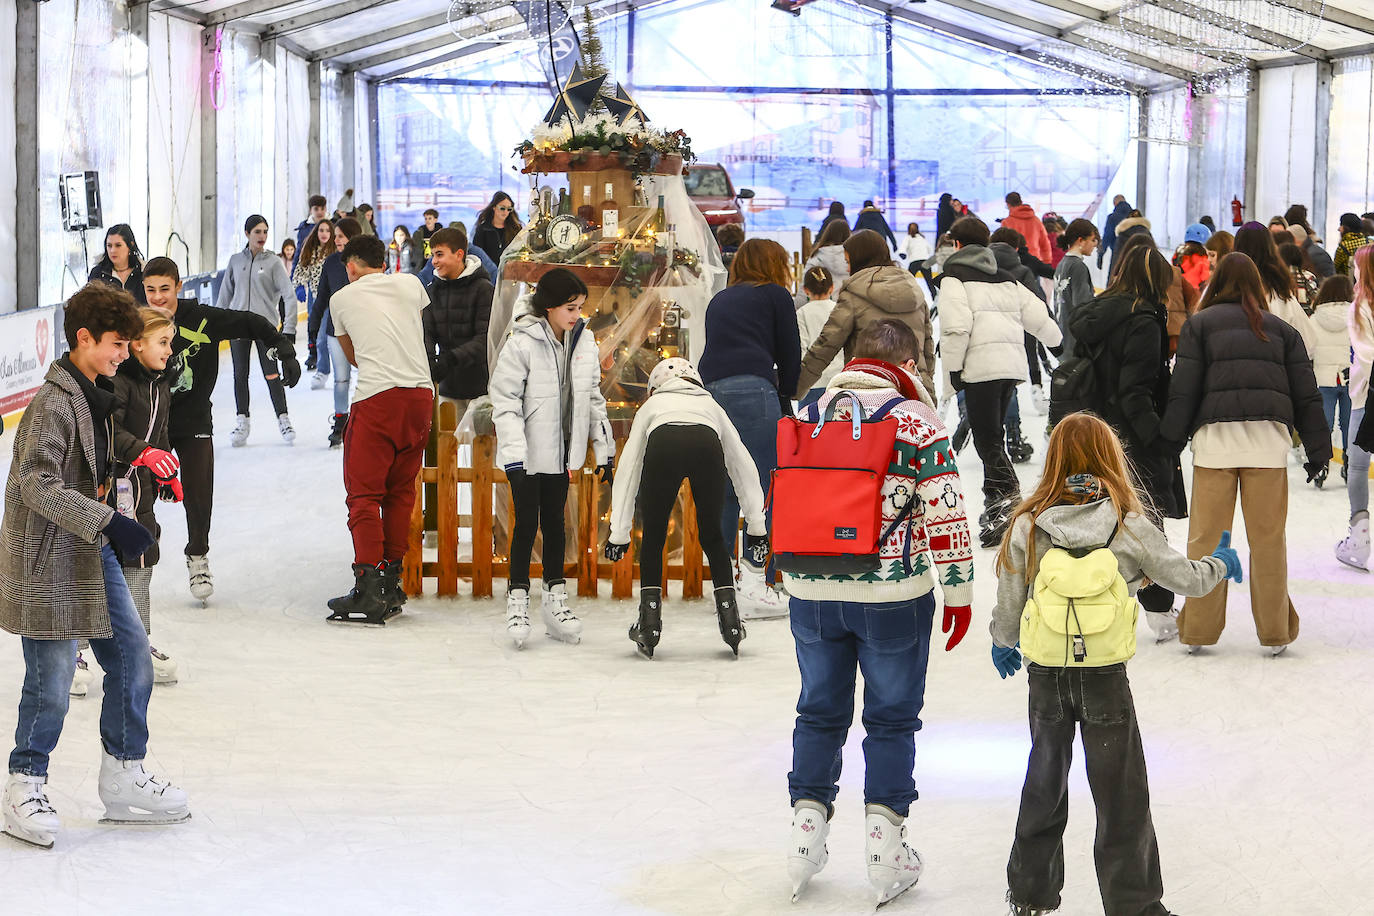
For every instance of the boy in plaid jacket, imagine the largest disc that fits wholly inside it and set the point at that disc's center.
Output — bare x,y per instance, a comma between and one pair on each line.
880,622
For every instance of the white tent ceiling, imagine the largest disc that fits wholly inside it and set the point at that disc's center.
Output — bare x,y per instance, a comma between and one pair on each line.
385,38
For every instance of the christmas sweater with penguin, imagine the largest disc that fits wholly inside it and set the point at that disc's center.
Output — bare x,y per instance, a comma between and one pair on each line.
933,545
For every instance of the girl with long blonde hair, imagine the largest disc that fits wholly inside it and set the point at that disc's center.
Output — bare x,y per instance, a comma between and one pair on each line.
1354,549
1085,501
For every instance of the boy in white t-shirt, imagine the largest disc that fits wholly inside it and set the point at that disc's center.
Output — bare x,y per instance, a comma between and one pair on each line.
378,324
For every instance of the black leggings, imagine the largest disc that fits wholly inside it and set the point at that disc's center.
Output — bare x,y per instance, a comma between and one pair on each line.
676,453
539,503
240,350
987,404
197,457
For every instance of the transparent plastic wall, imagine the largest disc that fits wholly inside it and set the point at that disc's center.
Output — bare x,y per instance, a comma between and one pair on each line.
798,109
174,110
332,126
1219,170
291,96
92,90
245,151
8,185
1287,130
1350,167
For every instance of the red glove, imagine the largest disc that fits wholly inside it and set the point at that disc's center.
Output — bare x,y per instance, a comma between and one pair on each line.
170,491
959,618
164,465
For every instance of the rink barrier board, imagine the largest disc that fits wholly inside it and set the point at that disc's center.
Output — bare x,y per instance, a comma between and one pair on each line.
587,568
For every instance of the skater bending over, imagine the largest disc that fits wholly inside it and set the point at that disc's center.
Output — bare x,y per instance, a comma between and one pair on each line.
61,578
681,433
879,622
547,406
1074,557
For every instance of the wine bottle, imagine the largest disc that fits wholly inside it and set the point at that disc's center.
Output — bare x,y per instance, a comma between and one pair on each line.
660,220
564,202
586,211
610,214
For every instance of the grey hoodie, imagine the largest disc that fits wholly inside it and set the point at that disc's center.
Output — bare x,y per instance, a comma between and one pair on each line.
1141,551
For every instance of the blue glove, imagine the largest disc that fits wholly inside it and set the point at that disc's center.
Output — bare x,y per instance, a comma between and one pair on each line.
1006,661
1227,554
130,539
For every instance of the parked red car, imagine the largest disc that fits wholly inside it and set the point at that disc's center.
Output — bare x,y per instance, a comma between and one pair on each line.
714,193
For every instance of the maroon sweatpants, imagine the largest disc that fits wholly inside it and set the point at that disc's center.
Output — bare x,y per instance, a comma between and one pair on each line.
384,445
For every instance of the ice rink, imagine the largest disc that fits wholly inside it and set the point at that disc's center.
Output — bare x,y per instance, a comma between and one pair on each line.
430,768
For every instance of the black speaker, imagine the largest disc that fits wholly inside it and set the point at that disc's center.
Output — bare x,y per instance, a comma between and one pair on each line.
80,192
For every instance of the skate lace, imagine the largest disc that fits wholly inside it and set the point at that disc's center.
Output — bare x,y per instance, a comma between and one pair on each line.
561,612
39,800
518,613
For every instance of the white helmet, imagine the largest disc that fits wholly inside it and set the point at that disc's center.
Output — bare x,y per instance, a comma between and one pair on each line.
677,367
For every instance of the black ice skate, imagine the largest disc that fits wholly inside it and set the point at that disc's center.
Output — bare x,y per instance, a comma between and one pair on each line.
1024,909
992,526
336,430
644,632
1018,448
727,614
392,592
365,604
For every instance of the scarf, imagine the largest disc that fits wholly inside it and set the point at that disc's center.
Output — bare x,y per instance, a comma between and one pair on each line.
899,377
1085,485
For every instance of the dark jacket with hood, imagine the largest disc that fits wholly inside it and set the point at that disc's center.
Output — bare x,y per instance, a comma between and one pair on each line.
1009,260
456,323
140,415
104,273
1119,212
1130,346
491,240
1131,225
1225,373
944,216
333,277
870,295
872,218
194,366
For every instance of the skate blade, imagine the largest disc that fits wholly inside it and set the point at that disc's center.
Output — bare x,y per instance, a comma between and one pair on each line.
151,821
645,652
886,896
171,683
569,638
356,621
28,840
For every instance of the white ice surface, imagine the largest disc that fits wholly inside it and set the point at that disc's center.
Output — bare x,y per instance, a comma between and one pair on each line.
430,768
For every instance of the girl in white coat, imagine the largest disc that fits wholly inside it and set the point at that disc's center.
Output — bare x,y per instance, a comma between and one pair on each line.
1331,358
681,433
547,406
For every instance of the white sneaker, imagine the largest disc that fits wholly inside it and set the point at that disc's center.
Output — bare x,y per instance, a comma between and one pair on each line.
132,795
164,668
757,600
1354,550
238,438
1039,401
893,866
518,616
808,853
1164,624
559,620
202,583
288,432
29,816
318,381
81,677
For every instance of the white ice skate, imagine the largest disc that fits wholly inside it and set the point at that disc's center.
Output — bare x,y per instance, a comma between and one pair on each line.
164,668
132,795
808,853
1354,550
202,583
81,677
893,866
238,438
559,620
29,816
1164,624
757,600
518,616
288,432
1039,400
317,381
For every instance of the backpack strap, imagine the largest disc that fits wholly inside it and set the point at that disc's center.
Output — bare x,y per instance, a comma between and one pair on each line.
882,412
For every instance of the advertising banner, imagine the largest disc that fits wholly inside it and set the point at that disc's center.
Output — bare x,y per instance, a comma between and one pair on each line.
26,348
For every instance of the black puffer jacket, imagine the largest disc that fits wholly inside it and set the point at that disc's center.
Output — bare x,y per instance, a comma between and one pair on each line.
1225,373
456,321
1131,344
142,398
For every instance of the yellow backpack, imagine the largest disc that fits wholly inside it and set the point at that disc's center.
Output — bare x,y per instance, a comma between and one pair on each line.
1080,613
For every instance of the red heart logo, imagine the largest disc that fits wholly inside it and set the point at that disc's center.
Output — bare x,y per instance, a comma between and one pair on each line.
42,337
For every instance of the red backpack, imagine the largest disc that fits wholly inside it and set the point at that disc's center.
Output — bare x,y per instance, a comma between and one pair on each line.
826,494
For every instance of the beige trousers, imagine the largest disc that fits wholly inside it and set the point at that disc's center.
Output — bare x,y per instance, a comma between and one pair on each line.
1264,505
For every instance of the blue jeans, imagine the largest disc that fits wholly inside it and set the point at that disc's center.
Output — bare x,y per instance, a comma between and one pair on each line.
48,668
890,643
752,405
1357,467
322,354
1334,398
343,373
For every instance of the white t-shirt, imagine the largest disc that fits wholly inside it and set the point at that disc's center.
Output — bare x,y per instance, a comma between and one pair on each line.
380,314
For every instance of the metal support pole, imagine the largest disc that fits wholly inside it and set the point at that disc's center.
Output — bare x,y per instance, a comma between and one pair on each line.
139,105
373,137
1142,151
348,124
630,49
27,195
209,161
891,116
313,177
1321,153
1252,116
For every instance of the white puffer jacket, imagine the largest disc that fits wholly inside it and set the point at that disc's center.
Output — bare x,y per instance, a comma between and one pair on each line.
1331,327
527,389
1290,311
984,317
679,402
1362,344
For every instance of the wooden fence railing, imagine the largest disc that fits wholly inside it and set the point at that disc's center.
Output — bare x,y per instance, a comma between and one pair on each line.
588,505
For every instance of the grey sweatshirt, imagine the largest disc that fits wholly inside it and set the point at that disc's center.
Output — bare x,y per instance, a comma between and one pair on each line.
1073,286
257,283
1141,551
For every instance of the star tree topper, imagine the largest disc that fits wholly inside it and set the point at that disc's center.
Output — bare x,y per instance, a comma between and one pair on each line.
622,107
575,97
